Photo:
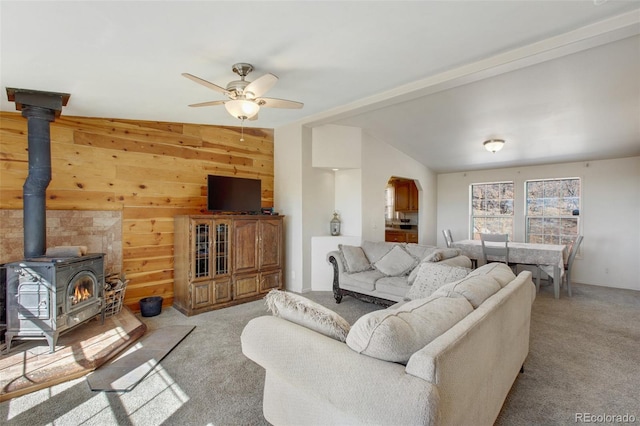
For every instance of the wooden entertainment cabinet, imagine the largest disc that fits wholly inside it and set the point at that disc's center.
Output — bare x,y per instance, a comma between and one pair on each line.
224,260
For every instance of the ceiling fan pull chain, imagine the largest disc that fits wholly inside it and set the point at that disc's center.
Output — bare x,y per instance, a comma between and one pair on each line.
242,129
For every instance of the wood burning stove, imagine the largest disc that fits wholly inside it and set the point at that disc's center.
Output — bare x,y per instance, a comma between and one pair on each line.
47,296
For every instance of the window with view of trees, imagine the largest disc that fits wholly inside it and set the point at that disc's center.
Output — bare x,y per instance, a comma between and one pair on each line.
492,209
553,209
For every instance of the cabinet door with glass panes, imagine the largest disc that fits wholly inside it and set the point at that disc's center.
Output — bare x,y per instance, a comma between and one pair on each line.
211,257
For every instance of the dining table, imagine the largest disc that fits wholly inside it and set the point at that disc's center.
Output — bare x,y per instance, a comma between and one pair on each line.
554,255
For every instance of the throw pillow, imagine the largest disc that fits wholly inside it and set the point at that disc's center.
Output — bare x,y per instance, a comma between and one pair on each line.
355,259
420,250
413,274
436,255
304,312
431,276
376,249
395,263
395,334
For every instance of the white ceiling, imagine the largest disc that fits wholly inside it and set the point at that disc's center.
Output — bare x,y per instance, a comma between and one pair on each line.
559,80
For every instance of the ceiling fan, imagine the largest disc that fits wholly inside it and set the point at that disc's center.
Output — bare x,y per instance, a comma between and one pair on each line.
245,97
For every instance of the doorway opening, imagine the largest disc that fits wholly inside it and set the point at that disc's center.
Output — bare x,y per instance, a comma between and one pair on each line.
401,210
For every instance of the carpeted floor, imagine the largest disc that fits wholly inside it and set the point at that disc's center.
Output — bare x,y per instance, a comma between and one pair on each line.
584,358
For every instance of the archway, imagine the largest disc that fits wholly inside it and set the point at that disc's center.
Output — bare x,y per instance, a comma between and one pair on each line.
401,210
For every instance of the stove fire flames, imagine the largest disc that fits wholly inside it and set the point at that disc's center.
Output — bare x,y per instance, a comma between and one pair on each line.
82,291
47,296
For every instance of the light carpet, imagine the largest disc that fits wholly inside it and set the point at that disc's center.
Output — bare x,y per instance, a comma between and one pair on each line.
127,370
584,357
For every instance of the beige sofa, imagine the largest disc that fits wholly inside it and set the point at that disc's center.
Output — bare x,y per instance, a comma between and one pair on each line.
461,377
356,272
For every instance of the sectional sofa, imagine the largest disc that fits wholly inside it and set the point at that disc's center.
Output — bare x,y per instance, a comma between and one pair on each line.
447,359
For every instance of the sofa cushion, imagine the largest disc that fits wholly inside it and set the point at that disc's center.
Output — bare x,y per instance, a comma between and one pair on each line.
432,276
476,289
354,258
376,249
393,285
500,272
461,261
365,280
395,334
302,311
420,251
442,254
396,262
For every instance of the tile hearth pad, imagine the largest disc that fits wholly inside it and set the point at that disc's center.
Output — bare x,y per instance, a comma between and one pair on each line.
29,366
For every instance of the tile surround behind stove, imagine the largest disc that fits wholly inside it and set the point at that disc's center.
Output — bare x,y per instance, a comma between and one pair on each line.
100,231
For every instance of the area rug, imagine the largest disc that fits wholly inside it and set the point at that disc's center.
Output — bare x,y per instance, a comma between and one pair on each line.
127,370
29,366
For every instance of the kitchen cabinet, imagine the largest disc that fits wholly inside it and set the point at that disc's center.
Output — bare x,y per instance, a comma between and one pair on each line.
405,196
400,236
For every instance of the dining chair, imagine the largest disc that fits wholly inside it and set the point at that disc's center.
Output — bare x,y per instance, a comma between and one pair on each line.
448,238
497,250
572,250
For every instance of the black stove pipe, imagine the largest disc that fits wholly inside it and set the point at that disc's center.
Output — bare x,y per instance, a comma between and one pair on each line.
39,108
34,188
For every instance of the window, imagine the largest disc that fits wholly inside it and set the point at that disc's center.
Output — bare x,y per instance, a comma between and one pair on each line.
553,209
388,201
492,209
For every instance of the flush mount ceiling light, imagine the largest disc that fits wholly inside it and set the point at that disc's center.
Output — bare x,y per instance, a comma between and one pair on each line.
493,145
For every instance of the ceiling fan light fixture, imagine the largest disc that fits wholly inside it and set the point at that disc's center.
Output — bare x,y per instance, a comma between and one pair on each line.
241,108
493,145
245,97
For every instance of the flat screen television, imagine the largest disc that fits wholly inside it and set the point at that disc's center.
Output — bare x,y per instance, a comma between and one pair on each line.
233,194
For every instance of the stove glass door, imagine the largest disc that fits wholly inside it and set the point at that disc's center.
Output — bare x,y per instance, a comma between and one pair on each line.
81,289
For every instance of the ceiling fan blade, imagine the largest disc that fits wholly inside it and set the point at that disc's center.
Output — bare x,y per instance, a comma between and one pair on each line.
210,103
279,103
260,86
254,118
205,83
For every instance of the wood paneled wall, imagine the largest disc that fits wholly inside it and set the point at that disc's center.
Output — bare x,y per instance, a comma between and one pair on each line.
150,170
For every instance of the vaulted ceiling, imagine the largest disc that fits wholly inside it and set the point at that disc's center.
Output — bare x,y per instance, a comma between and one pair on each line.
558,80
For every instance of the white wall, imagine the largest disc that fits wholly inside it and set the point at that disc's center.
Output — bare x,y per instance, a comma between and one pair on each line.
321,269
380,161
305,195
308,196
287,198
348,201
336,147
609,216
318,198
